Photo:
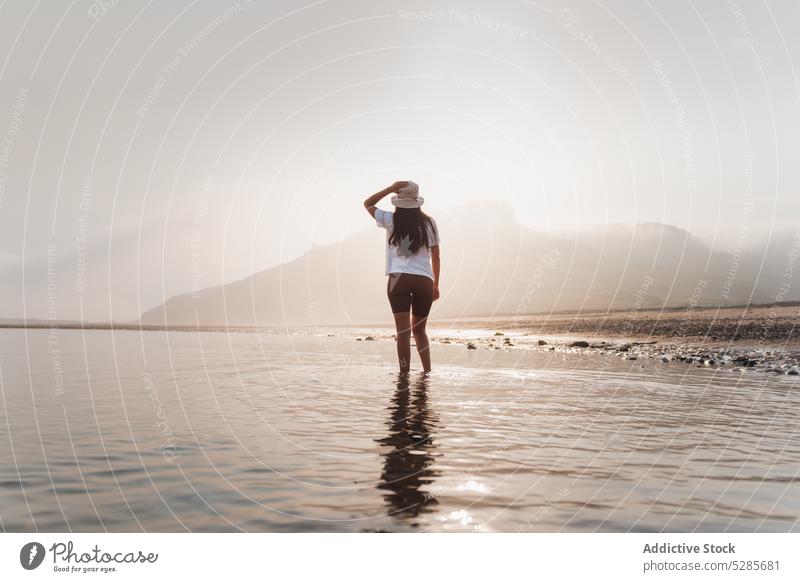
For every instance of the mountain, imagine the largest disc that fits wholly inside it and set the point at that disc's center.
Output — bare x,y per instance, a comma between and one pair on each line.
492,265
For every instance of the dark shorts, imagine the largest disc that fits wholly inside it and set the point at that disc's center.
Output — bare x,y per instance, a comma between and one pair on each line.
410,293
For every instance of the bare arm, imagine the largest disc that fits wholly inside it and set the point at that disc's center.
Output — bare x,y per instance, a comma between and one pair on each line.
370,202
436,263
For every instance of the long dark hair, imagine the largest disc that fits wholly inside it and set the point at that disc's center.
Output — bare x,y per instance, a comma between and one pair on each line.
410,231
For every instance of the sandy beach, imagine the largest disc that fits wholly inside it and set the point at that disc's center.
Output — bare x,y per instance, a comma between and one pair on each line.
759,324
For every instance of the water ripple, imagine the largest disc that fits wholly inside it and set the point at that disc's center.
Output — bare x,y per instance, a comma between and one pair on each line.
259,432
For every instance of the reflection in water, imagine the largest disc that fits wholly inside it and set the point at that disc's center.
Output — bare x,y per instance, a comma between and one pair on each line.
539,441
407,463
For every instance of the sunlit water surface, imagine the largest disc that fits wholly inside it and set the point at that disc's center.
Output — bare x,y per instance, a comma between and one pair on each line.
129,431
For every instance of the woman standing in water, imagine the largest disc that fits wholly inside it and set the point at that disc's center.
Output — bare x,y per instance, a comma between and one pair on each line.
412,265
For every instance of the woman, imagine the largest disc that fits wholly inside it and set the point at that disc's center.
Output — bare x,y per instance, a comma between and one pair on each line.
412,264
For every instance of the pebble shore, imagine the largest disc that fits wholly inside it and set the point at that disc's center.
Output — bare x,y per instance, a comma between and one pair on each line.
761,338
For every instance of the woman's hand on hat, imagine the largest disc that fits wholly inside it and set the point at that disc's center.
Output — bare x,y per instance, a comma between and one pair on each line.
397,186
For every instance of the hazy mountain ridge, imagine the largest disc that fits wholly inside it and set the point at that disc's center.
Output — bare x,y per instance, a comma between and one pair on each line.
491,265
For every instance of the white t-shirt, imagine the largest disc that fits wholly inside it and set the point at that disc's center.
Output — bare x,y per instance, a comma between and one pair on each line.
418,264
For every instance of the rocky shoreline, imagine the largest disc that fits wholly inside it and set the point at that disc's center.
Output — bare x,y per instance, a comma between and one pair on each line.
763,338
772,359
784,360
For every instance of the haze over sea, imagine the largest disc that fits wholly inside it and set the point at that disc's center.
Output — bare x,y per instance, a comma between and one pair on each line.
174,431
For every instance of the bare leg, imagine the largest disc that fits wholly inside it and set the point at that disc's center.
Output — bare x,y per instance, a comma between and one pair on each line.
421,339
403,325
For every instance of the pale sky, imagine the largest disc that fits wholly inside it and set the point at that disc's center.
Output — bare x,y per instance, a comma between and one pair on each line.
254,130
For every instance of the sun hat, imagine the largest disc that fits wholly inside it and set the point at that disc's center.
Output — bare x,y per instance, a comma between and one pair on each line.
408,197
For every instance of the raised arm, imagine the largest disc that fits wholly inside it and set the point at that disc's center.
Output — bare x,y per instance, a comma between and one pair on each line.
370,202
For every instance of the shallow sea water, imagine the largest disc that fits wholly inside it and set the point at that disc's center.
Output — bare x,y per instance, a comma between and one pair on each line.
175,431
